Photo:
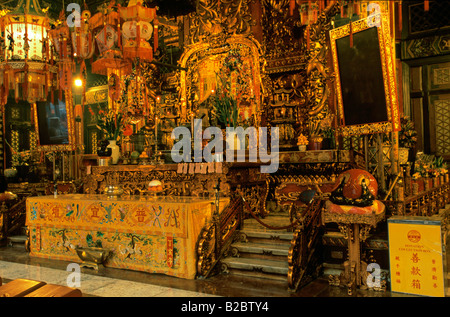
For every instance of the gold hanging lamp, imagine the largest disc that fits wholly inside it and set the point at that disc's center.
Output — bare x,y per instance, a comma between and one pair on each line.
26,62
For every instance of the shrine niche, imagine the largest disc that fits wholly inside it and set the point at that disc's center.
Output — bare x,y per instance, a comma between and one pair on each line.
366,96
299,74
222,57
234,63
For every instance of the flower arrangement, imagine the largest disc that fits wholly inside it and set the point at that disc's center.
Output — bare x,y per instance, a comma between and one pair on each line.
429,166
302,140
110,122
407,136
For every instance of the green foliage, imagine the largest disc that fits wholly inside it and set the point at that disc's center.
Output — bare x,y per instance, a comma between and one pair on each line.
407,136
429,166
91,243
226,111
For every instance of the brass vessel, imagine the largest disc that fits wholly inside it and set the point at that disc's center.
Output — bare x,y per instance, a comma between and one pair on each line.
92,257
113,191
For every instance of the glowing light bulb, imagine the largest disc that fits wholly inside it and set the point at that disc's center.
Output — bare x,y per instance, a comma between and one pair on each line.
78,82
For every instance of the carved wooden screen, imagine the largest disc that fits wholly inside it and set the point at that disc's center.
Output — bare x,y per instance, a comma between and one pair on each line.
441,127
439,103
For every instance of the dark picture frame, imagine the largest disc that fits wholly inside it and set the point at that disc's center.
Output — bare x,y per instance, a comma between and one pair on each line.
55,123
365,82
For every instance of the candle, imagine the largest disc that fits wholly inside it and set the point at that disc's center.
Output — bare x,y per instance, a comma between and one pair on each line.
156,139
156,130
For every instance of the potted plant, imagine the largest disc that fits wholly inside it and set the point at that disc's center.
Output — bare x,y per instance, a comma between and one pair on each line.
315,136
328,142
226,111
111,122
407,139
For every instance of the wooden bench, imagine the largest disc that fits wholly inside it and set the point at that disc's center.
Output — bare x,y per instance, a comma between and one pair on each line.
31,288
51,290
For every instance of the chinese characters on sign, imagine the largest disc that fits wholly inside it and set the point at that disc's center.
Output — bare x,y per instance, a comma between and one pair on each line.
416,256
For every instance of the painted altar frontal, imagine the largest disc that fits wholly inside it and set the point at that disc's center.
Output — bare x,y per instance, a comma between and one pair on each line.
151,234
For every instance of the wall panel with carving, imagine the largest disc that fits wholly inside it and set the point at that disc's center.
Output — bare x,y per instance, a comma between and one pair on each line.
299,71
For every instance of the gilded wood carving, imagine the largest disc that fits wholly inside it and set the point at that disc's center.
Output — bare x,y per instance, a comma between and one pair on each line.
221,45
374,26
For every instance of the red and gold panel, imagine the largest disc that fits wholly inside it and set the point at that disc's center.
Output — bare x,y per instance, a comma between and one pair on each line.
156,235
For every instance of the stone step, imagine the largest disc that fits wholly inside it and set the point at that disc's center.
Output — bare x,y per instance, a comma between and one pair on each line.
262,252
260,266
273,221
18,240
261,235
263,248
258,276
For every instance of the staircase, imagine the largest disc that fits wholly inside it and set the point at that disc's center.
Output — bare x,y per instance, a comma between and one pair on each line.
18,240
261,252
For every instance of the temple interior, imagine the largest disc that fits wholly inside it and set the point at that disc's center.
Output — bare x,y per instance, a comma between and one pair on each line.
224,148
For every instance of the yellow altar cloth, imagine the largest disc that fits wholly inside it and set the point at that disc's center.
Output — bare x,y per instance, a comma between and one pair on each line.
151,234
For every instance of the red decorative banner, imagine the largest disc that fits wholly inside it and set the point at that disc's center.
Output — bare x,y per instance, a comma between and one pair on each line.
169,251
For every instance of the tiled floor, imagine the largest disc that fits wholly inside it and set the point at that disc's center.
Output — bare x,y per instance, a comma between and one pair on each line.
109,282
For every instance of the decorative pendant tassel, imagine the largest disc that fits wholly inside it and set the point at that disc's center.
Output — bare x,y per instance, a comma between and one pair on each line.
351,34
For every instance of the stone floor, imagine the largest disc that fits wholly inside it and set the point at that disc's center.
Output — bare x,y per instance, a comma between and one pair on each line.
110,282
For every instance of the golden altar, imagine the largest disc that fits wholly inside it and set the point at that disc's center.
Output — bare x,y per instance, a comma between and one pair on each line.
144,233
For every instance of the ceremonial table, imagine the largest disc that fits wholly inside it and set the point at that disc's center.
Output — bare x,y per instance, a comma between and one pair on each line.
143,233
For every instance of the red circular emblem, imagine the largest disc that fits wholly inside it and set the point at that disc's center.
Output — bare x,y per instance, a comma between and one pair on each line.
414,236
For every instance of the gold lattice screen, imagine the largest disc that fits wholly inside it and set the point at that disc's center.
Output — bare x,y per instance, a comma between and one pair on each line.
442,126
439,85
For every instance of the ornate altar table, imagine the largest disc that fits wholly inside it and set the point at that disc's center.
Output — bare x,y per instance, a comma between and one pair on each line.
144,233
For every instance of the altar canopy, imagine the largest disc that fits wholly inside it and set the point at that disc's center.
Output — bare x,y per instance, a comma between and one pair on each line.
155,235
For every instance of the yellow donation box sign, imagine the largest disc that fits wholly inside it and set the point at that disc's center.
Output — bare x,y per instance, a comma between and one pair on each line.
416,255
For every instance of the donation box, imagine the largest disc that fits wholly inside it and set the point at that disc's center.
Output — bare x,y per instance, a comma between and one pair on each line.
417,255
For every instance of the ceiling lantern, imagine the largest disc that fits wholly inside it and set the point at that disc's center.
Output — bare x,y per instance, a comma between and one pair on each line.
106,27
82,40
83,45
60,36
26,64
137,30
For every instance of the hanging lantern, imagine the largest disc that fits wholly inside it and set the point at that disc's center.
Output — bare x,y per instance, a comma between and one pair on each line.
137,31
83,45
60,36
106,27
135,46
82,41
25,65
